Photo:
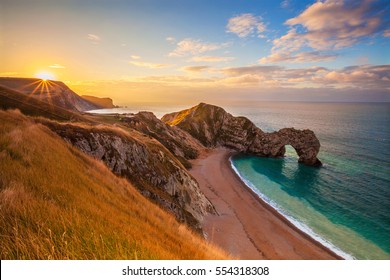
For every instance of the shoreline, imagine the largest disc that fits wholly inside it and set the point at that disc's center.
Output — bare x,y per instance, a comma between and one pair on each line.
271,236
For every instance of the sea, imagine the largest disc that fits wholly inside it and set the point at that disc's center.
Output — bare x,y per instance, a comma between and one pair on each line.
345,204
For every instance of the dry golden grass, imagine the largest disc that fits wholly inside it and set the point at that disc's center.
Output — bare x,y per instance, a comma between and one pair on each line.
57,203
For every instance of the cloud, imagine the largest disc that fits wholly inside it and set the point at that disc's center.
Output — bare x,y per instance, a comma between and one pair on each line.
258,70
212,58
266,76
354,83
361,77
297,57
57,66
386,33
245,25
285,4
8,74
170,39
195,68
337,24
243,80
327,26
194,47
135,57
150,65
364,76
94,38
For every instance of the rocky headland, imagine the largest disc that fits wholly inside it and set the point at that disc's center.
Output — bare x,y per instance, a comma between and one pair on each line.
214,127
55,93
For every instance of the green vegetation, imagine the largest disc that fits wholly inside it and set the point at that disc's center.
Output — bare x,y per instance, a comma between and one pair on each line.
57,203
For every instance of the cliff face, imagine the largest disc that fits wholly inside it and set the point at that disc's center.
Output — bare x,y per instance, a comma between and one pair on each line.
305,143
177,141
53,92
101,102
213,126
146,163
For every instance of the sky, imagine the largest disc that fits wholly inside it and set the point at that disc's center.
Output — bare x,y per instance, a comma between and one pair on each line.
219,51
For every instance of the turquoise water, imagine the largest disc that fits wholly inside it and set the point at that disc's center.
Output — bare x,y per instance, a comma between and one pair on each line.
346,203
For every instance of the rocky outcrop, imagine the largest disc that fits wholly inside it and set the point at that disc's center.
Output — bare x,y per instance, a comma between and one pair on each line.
177,141
52,92
144,162
101,102
305,143
213,127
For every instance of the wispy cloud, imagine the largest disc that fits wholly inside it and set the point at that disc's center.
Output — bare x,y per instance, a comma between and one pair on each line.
170,39
135,57
237,71
212,58
57,66
285,4
245,25
297,57
150,65
195,69
362,77
195,47
326,26
8,74
94,38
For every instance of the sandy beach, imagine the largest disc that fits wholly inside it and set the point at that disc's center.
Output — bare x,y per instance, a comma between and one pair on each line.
246,226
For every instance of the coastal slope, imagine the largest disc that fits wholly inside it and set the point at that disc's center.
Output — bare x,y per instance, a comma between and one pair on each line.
59,203
12,99
146,163
53,92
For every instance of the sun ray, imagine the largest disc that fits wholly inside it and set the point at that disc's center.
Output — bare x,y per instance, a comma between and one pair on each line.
41,89
45,76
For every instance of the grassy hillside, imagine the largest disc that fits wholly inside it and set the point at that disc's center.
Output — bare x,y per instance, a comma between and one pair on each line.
57,203
53,92
11,99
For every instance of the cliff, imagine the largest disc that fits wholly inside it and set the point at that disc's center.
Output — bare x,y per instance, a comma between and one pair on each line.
214,127
177,141
12,99
53,92
101,102
145,163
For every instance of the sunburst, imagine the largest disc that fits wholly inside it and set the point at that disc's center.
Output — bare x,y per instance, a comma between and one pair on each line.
45,76
42,87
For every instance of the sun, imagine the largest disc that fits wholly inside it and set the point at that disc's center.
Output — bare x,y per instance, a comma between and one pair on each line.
45,76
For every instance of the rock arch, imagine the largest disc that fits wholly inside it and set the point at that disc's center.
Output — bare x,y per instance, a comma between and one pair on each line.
304,142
